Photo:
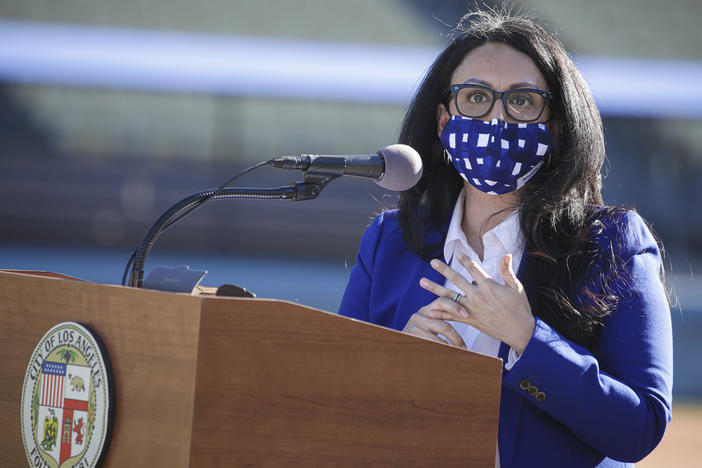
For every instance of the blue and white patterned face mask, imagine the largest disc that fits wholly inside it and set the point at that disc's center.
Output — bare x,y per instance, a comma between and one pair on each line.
494,156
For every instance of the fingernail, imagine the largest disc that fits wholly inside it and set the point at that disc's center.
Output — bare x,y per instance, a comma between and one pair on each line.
463,313
434,263
422,281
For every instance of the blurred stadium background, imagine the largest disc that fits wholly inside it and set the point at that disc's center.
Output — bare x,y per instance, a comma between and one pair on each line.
112,111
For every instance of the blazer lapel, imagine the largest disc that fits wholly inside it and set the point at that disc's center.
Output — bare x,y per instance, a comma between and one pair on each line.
414,296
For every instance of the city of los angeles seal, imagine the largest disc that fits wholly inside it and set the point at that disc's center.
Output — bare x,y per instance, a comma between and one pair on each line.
66,403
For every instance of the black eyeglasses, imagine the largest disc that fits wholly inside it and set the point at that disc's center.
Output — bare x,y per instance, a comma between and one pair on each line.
522,105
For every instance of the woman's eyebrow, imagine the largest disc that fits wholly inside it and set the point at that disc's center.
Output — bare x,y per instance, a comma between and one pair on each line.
521,84
478,81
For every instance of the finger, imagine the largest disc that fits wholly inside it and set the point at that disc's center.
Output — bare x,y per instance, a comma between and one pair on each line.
436,288
445,329
507,273
442,315
426,335
443,292
430,329
474,269
445,309
451,274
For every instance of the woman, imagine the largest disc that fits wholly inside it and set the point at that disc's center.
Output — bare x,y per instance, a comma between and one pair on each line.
512,147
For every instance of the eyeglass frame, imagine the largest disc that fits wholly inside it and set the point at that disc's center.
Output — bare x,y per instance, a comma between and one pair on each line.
455,88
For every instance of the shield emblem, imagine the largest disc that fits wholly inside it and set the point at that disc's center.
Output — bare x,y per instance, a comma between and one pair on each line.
67,399
63,409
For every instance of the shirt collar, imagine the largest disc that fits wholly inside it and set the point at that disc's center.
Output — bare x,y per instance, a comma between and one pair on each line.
455,233
508,232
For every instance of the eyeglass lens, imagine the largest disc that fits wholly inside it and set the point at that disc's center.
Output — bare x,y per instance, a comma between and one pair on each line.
519,104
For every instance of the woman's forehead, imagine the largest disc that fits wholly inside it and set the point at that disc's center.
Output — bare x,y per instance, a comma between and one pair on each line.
498,66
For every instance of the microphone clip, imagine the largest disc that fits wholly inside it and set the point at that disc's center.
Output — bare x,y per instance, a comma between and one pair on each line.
318,170
316,179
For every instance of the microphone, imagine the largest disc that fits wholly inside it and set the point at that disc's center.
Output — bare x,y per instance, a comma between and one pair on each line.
395,167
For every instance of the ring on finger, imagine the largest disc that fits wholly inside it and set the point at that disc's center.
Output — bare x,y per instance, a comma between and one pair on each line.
458,297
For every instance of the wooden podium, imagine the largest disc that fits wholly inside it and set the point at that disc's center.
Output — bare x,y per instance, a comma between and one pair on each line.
210,381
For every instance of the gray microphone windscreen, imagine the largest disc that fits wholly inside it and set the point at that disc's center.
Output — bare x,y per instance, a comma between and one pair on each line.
403,167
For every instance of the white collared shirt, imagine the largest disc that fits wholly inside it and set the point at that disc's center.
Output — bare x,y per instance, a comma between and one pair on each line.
503,239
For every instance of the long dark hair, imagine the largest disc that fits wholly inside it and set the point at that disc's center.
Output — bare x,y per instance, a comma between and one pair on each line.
561,206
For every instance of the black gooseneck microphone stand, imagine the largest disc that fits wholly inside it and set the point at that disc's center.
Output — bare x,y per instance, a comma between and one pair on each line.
316,178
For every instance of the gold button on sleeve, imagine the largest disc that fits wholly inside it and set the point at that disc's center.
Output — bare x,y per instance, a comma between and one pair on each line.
524,384
540,396
532,390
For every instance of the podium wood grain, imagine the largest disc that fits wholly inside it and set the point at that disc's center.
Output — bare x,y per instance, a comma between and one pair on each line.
256,382
151,338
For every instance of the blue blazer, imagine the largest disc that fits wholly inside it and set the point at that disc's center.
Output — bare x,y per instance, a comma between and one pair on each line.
584,411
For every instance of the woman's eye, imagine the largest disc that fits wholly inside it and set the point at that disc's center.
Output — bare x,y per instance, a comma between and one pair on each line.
521,100
477,98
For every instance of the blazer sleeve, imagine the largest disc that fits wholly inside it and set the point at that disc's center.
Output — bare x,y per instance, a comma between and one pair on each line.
619,402
356,299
